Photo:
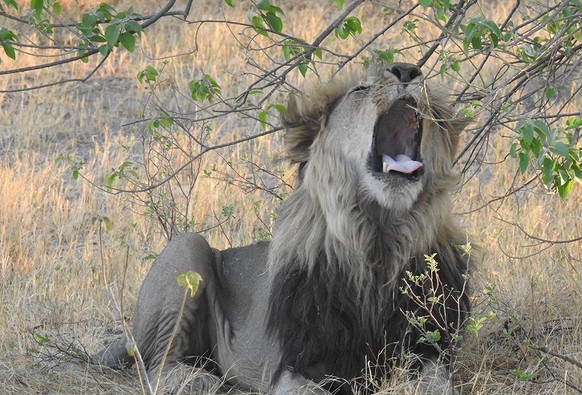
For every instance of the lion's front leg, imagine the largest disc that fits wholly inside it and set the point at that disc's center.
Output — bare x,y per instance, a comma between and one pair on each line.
160,297
164,335
158,305
290,383
435,379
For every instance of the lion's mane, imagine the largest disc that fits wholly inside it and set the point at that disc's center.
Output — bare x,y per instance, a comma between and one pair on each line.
338,256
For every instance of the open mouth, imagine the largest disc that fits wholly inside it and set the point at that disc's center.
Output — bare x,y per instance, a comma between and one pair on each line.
396,144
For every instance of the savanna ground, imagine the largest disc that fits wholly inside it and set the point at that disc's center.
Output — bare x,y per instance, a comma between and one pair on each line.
72,256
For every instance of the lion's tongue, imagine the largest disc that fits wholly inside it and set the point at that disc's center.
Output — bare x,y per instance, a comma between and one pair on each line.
402,164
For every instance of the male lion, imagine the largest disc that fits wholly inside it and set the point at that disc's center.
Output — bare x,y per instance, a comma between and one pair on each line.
324,297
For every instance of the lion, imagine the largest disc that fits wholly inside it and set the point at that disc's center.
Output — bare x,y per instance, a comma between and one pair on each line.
324,297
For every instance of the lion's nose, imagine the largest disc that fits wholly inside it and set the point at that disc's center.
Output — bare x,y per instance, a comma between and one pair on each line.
405,72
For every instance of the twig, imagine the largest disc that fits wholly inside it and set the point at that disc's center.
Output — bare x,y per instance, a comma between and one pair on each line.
148,22
461,9
377,35
171,339
559,356
204,151
530,236
35,87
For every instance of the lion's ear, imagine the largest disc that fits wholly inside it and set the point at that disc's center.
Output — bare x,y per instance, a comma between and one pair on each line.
302,128
456,125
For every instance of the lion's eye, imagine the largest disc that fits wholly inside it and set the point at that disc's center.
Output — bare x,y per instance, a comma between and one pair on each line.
360,88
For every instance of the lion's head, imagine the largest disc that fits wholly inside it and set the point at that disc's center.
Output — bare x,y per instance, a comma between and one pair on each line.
385,127
375,155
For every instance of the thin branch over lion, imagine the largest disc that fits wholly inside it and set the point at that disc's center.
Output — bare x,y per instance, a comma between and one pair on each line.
324,297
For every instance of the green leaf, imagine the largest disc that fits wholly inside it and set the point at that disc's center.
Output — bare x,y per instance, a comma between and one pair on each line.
11,3
106,222
265,5
340,32
521,375
302,69
523,161
476,41
41,338
339,4
229,3
190,280
37,5
409,26
9,50
263,119
476,324
263,114
228,210
573,123
494,32
469,32
98,39
110,180
274,22
133,27
112,34
424,3
536,147
57,8
433,336
561,149
565,189
286,52
494,40
354,24
350,26
386,55
88,21
7,35
166,122
105,11
542,129
128,41
279,107
130,348
513,150
548,171
527,133
204,89
258,25
318,53
104,50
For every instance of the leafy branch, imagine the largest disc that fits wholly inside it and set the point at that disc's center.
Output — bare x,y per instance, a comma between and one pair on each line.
535,50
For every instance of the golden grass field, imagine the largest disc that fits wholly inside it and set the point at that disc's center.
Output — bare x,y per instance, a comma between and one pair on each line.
72,255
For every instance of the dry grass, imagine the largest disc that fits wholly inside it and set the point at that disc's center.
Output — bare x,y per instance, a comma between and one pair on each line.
65,245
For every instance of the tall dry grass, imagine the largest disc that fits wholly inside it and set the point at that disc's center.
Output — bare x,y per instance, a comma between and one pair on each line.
73,256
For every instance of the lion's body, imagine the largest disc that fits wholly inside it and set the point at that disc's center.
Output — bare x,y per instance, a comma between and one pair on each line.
323,298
